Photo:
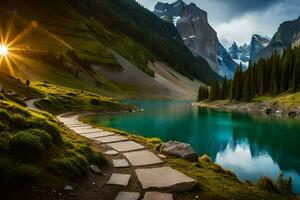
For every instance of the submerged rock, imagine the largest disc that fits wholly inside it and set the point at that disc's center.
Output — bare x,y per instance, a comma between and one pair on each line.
178,149
293,114
269,111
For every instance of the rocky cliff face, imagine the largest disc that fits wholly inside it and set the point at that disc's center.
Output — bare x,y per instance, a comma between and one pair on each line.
258,43
240,55
288,34
197,34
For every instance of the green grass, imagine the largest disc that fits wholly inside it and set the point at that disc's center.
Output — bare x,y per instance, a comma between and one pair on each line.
35,149
59,100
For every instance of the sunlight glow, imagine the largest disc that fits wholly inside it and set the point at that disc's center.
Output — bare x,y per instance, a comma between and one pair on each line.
3,50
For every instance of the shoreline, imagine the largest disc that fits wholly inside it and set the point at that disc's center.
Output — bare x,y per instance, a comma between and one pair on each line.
254,107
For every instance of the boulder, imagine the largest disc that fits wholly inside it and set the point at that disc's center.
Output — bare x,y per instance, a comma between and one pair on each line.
293,114
269,111
95,169
279,112
178,149
68,188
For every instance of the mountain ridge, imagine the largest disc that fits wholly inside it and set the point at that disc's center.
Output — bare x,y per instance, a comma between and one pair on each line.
197,34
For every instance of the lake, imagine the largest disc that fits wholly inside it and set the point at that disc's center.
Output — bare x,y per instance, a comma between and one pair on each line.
250,145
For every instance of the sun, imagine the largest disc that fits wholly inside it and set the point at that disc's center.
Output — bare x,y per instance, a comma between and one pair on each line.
3,50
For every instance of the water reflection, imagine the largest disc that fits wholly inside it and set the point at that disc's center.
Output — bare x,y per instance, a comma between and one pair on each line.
240,160
250,145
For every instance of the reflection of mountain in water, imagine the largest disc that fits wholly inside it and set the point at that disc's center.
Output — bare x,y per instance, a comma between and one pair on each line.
274,137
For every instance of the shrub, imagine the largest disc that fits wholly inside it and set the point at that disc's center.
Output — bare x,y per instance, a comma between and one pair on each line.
267,185
19,122
71,165
49,127
3,127
26,174
44,137
205,158
26,146
95,102
92,156
285,186
4,115
4,145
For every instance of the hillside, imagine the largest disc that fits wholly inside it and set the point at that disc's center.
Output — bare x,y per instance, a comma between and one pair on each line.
61,41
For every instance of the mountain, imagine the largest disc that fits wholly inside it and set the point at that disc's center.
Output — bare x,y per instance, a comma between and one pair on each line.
197,34
90,36
258,43
287,35
240,55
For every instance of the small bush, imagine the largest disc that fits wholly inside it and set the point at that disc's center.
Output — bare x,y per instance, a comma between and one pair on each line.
44,137
266,184
4,115
205,158
26,174
3,127
70,166
285,185
49,127
95,102
26,146
92,156
4,145
19,122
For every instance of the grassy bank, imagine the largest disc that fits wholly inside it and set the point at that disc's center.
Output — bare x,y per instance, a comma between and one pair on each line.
36,150
214,182
283,103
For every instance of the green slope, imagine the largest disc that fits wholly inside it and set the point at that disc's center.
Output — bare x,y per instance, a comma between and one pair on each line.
90,28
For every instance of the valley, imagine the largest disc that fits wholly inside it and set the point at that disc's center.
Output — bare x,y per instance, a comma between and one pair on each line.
125,100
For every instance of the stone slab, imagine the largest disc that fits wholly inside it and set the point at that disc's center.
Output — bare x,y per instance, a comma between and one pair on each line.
165,178
119,163
119,179
97,135
111,152
76,125
81,127
111,139
158,196
126,146
128,196
90,130
142,158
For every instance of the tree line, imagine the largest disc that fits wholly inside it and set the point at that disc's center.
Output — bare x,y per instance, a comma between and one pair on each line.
278,74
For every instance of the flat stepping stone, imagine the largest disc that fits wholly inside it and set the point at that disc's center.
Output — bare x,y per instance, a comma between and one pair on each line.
119,163
85,131
76,125
119,179
81,127
128,196
111,152
142,158
96,135
157,196
126,146
165,178
111,139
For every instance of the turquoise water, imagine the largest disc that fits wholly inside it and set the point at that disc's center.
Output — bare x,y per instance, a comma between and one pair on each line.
250,145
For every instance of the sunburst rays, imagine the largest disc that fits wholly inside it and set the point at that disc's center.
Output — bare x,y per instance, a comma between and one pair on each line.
13,47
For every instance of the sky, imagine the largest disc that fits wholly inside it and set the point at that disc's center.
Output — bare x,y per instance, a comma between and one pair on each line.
238,20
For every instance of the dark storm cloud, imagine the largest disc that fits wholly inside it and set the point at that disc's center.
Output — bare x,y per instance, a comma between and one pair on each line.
241,6
237,20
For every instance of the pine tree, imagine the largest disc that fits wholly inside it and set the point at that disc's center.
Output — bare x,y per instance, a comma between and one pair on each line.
296,74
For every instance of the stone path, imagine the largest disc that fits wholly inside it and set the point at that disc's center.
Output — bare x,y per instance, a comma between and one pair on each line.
128,155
